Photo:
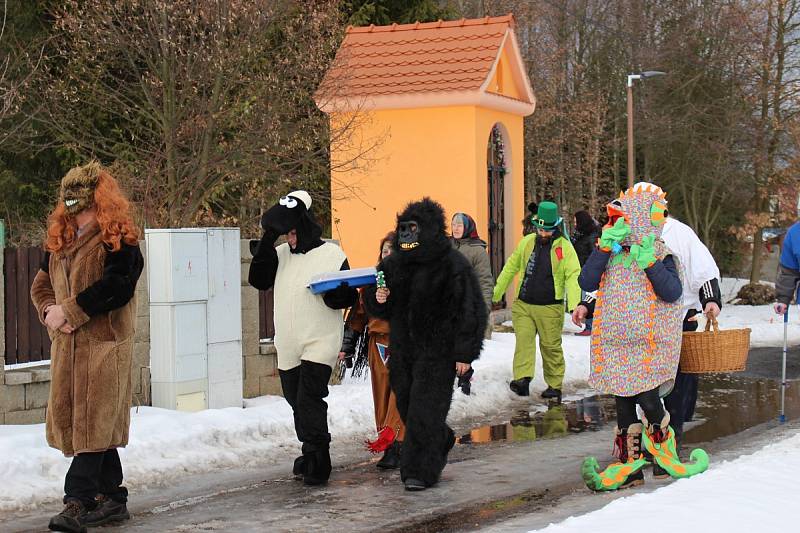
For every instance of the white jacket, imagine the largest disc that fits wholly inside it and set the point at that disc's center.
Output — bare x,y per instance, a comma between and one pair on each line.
697,263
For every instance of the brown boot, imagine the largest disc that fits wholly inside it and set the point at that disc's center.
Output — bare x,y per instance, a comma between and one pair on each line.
632,450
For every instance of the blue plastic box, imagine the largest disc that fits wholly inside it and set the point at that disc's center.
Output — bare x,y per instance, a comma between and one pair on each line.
357,277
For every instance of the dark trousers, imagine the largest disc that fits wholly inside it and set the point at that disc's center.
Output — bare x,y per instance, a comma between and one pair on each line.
305,388
95,473
682,400
424,389
650,403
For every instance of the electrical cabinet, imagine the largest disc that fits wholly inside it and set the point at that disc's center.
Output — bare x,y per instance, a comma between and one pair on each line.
194,279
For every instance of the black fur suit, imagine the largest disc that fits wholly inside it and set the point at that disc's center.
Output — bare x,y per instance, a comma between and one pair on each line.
437,317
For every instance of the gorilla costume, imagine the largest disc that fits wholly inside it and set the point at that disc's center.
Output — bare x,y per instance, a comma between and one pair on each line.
437,317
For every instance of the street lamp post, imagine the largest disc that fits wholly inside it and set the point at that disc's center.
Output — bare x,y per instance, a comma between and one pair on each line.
631,150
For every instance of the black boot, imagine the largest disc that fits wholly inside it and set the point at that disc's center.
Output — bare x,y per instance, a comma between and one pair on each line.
299,467
391,457
521,386
70,519
415,484
317,466
106,512
550,393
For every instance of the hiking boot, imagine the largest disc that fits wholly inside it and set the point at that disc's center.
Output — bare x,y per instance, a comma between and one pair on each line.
391,457
521,386
415,485
299,467
107,511
70,518
317,467
550,393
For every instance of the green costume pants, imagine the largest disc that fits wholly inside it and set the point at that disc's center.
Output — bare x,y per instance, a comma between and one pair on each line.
546,321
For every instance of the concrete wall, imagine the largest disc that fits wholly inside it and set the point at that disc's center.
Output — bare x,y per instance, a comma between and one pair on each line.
260,370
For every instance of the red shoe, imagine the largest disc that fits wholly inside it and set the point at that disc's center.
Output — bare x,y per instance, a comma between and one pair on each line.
584,333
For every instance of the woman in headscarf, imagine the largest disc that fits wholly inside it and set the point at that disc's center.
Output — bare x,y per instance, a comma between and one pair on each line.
467,241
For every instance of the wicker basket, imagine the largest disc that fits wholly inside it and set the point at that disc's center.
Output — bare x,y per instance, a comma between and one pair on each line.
714,351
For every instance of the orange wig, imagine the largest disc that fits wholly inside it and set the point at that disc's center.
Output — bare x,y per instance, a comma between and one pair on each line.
113,217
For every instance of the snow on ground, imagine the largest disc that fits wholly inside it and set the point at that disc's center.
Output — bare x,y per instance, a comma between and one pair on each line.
166,445
755,492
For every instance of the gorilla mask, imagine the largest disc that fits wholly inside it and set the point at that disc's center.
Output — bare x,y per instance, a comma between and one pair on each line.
409,235
420,234
77,187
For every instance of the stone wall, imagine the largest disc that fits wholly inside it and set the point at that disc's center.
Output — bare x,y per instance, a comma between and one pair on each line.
260,370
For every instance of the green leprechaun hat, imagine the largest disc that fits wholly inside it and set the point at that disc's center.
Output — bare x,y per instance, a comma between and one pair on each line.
547,216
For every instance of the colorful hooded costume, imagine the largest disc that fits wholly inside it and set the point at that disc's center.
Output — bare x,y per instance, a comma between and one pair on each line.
635,344
636,336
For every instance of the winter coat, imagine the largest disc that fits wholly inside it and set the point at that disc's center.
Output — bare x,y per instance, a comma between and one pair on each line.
90,370
563,259
584,244
475,252
789,269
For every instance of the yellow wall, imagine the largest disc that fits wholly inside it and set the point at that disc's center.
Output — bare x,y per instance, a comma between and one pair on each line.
502,81
436,152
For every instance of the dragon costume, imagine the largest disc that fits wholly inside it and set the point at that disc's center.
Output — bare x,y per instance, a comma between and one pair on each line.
636,335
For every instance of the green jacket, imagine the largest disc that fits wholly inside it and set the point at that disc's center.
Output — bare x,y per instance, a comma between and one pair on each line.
566,269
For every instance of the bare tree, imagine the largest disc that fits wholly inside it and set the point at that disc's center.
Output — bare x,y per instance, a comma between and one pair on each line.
204,105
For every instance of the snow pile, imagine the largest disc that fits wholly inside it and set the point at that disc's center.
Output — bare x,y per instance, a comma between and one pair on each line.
752,493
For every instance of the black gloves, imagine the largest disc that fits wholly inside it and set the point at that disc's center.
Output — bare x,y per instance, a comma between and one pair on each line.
341,297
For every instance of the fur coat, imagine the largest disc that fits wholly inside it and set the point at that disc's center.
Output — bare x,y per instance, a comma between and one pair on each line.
90,390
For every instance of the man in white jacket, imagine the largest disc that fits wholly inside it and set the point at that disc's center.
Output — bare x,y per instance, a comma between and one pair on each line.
700,292
308,327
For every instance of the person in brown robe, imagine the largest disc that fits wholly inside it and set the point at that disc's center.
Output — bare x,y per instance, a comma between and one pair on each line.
374,334
84,294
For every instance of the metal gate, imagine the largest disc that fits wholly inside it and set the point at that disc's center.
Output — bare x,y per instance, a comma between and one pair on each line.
496,174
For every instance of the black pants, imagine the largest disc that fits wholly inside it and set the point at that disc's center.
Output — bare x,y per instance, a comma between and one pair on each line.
95,473
682,400
650,403
423,388
304,387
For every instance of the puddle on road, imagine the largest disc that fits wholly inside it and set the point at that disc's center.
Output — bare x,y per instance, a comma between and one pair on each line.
726,405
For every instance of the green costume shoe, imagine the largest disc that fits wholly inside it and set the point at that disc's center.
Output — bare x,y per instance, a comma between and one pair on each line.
660,443
623,474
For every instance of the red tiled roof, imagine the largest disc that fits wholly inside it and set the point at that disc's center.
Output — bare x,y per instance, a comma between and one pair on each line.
416,58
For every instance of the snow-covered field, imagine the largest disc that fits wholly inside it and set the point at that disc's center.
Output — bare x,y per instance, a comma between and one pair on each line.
755,492
166,445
